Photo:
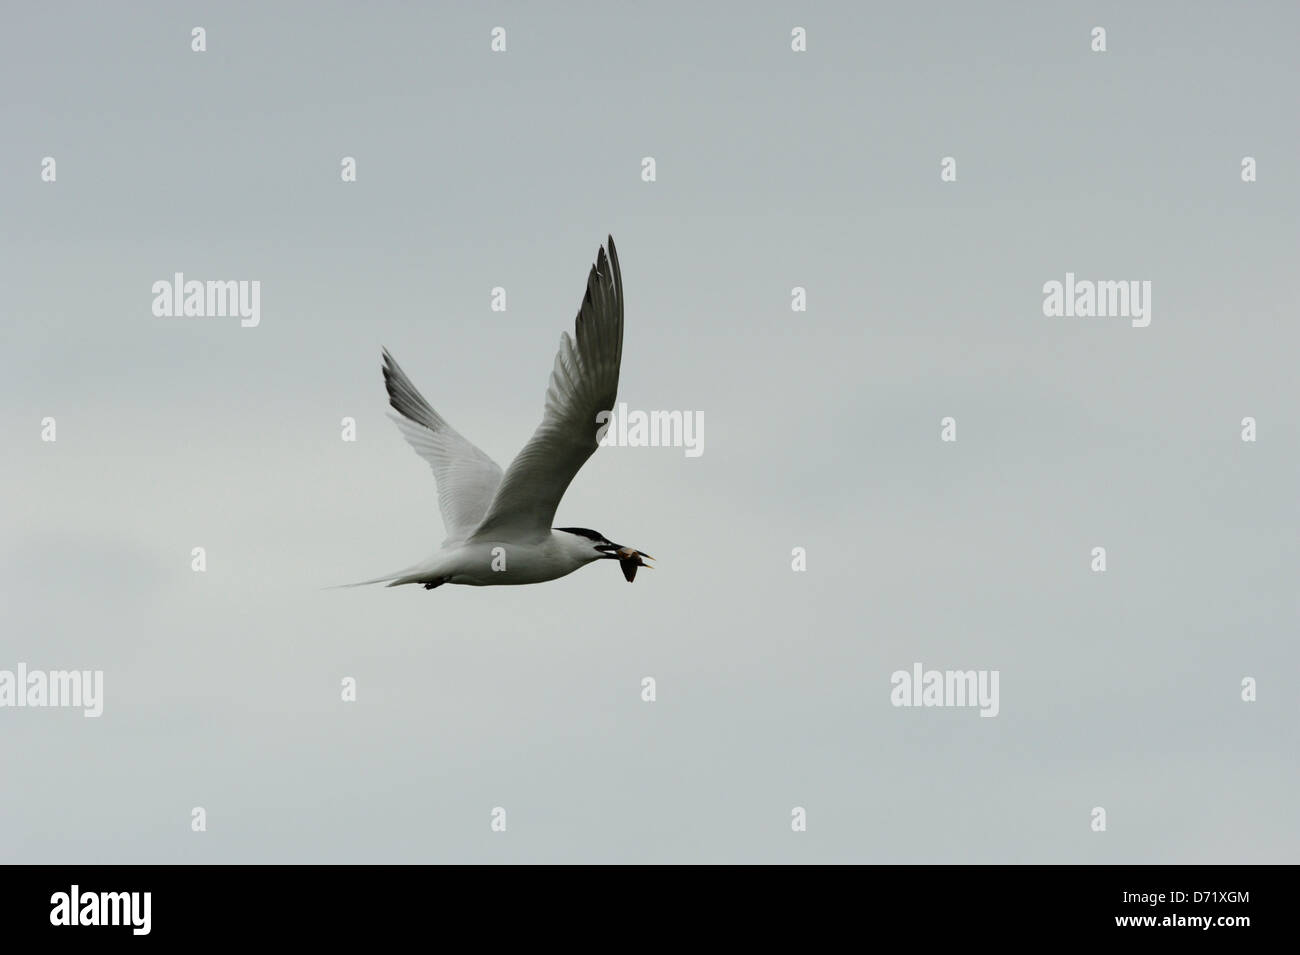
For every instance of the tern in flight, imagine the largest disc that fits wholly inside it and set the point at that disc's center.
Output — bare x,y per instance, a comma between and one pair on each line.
499,525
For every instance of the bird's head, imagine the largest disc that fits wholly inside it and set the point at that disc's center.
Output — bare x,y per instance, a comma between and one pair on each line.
601,548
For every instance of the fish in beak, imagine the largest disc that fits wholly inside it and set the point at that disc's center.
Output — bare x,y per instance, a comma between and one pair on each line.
629,560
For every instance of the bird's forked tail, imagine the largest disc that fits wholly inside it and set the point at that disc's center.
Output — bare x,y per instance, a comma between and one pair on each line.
404,576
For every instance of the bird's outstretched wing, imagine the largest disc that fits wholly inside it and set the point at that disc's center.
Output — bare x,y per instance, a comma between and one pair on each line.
583,383
467,478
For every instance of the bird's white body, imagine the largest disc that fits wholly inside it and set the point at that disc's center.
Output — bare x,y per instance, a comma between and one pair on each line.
491,563
499,523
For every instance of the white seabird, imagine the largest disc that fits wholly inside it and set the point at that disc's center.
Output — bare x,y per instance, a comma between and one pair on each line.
499,526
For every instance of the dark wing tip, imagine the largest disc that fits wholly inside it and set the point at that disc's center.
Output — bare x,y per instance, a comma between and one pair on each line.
404,398
629,568
615,274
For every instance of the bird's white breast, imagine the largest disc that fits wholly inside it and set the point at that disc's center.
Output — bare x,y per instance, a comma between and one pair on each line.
497,563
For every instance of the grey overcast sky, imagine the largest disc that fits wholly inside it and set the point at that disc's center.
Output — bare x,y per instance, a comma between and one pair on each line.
775,169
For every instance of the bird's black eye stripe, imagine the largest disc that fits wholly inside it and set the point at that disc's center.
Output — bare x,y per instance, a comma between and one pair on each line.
583,532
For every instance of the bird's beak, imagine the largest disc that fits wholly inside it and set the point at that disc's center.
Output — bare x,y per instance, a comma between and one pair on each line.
630,559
